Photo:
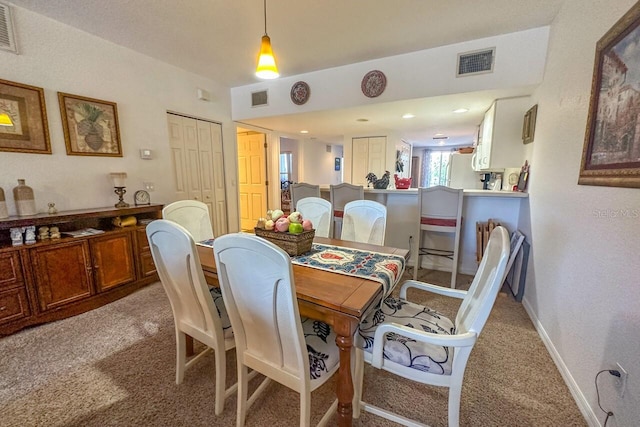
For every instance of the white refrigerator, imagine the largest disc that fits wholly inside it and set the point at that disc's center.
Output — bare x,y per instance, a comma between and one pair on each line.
460,173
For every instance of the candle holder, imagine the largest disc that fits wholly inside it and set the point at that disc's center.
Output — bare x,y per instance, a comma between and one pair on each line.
119,188
120,191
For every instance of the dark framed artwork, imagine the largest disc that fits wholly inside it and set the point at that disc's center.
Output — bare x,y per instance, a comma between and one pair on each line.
529,125
337,163
90,126
611,153
29,130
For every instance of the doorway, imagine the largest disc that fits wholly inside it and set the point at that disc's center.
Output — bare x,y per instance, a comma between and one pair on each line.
252,177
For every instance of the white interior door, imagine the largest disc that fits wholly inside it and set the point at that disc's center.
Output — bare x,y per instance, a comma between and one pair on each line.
360,147
252,179
377,155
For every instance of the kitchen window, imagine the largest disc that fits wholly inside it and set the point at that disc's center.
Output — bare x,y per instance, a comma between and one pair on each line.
434,167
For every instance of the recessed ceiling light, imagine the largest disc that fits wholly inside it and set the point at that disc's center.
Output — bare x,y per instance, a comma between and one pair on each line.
461,110
362,120
304,131
439,134
408,116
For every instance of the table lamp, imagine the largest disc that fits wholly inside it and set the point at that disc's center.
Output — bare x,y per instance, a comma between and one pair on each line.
119,188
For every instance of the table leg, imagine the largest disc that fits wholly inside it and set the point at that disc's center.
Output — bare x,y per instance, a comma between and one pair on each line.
344,340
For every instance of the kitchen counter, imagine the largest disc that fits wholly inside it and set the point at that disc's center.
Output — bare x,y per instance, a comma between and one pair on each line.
504,207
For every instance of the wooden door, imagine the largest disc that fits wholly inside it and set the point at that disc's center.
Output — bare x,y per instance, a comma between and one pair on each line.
62,273
252,179
360,159
113,262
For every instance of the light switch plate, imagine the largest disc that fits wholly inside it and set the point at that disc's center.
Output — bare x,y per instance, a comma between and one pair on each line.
146,154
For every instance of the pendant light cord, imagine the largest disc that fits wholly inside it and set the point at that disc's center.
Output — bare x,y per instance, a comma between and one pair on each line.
265,17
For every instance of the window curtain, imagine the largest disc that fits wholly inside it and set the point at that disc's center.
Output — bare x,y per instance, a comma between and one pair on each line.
425,171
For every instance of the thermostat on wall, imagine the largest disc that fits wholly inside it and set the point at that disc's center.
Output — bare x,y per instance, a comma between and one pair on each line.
146,154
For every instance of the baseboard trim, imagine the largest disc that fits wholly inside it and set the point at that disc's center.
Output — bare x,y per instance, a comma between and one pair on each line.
578,396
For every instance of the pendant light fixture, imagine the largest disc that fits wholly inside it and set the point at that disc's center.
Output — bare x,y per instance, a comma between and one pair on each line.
267,68
5,120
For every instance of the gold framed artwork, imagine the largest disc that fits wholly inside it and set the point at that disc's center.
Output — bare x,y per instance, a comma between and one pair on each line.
611,152
24,126
90,126
529,125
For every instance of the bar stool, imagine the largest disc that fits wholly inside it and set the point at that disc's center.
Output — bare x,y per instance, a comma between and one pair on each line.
340,195
439,212
302,190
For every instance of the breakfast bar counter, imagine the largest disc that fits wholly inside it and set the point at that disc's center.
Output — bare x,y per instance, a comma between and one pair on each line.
509,208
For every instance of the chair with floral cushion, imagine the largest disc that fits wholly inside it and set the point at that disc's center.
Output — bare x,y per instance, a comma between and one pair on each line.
271,338
420,344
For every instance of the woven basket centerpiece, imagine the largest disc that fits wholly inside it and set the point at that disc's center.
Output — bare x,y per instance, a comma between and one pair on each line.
293,244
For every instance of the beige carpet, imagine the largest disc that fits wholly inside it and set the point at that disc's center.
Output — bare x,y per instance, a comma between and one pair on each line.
114,366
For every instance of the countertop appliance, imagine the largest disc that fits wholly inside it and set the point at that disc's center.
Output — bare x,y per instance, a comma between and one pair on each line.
460,173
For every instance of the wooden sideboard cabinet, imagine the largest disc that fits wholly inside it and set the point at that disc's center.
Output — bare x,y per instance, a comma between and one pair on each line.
57,278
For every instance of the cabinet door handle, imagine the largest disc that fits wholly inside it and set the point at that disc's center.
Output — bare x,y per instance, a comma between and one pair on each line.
3,308
208,197
95,267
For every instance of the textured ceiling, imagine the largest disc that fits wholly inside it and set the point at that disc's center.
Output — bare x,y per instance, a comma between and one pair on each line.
219,39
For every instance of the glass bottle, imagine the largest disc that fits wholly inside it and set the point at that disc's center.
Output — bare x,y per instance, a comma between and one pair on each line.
4,213
25,202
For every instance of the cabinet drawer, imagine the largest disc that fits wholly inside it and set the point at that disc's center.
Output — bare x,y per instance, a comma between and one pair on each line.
141,239
10,270
146,264
14,305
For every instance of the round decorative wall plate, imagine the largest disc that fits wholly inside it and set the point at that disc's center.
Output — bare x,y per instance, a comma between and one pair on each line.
300,93
373,83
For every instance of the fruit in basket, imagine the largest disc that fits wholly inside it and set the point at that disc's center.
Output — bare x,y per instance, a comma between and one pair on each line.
307,225
295,217
282,224
295,228
269,224
276,214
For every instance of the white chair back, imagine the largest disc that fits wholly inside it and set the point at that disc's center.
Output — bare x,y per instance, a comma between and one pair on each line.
194,310
301,190
477,304
318,211
263,308
193,216
364,221
340,195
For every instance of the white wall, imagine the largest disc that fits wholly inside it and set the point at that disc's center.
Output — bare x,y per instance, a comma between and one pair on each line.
57,57
318,163
582,286
519,60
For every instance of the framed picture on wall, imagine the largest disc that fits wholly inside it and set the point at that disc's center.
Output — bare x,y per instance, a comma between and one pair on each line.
90,126
611,152
23,119
529,125
337,164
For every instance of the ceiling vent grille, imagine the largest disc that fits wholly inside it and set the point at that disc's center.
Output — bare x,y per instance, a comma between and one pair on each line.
259,98
476,62
7,37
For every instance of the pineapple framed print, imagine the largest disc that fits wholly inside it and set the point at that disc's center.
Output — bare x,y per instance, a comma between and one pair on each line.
90,126
23,119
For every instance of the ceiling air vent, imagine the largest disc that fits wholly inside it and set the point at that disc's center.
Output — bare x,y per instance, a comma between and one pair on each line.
259,98
7,37
476,62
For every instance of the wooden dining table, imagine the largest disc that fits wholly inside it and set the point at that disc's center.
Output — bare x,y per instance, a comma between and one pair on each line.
336,299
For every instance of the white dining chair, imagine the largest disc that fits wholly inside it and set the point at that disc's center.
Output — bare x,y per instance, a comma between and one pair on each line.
271,338
420,344
301,190
339,196
197,310
318,211
439,213
193,216
364,221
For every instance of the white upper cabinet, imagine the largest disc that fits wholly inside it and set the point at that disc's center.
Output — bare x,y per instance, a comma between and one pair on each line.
500,144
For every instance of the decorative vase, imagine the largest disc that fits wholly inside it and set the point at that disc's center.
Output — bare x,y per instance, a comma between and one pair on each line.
4,213
25,202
